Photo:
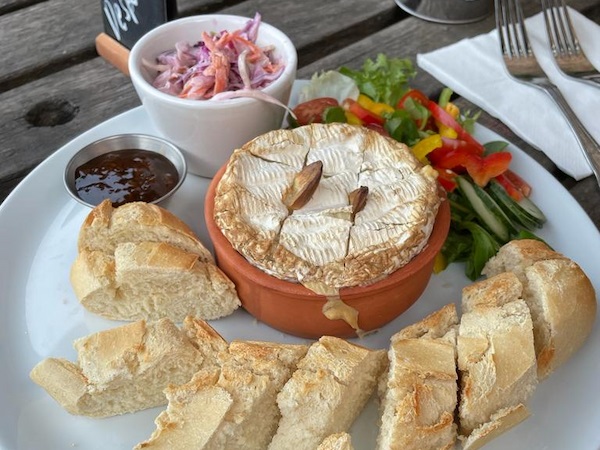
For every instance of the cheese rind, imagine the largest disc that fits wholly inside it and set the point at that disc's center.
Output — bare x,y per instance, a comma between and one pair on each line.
323,242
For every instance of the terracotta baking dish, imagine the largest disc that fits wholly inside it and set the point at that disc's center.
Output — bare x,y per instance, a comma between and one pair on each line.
294,309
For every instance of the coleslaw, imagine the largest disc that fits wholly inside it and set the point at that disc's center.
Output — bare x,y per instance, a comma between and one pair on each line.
220,63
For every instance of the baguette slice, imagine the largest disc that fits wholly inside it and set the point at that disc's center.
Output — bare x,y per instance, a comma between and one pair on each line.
252,373
124,369
496,361
499,423
337,441
150,280
419,396
494,291
560,296
105,227
194,413
327,392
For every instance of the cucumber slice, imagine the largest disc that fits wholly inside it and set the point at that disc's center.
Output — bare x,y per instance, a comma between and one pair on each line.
487,209
523,212
532,209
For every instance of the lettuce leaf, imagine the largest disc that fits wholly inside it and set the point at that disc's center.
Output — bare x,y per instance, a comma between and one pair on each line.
329,84
384,80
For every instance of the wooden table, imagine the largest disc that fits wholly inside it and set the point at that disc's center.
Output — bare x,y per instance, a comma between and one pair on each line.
53,85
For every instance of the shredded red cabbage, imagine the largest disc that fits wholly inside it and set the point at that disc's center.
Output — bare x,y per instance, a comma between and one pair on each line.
220,62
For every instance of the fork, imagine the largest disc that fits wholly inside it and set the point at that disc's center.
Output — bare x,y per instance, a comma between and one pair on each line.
522,65
568,54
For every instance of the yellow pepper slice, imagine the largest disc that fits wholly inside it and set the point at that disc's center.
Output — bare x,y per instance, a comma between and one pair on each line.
452,109
444,130
352,119
374,107
439,263
425,146
380,108
365,101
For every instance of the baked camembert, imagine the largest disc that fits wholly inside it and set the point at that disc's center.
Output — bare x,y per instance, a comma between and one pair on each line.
370,212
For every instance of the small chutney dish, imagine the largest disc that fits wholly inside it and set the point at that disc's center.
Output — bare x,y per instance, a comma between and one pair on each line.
125,168
208,129
294,309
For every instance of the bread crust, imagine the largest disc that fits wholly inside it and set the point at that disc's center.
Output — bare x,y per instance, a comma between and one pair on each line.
336,441
123,369
419,393
569,311
244,393
496,360
151,280
499,423
105,227
326,393
560,296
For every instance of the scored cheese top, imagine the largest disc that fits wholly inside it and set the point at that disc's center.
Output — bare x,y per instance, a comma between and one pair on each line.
323,245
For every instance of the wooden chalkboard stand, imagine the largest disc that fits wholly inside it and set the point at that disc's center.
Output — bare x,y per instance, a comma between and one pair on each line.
135,19
113,52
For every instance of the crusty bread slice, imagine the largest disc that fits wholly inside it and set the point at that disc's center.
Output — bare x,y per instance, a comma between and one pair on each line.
105,227
327,392
337,441
560,296
252,373
500,422
123,369
194,413
206,339
496,361
518,254
494,291
150,280
419,395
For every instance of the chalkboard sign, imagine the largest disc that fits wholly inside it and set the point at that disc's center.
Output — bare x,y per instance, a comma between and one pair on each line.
128,20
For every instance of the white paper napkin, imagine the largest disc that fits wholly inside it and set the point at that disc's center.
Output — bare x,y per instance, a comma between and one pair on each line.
474,69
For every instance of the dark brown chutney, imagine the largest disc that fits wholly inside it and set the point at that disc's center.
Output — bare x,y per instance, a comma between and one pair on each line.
125,176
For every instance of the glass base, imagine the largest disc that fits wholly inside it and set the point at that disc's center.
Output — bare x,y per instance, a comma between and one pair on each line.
448,11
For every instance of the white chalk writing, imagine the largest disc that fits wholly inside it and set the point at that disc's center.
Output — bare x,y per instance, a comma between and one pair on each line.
119,14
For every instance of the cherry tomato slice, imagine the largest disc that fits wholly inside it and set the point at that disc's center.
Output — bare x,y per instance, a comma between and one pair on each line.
312,111
378,128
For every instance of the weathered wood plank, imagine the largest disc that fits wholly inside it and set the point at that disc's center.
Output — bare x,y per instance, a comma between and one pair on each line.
52,35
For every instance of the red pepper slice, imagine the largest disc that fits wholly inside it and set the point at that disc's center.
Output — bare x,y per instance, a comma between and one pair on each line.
490,166
518,182
453,159
446,178
442,116
414,94
366,116
509,187
481,168
455,144
418,97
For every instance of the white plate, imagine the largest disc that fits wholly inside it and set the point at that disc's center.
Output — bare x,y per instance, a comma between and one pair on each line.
40,316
